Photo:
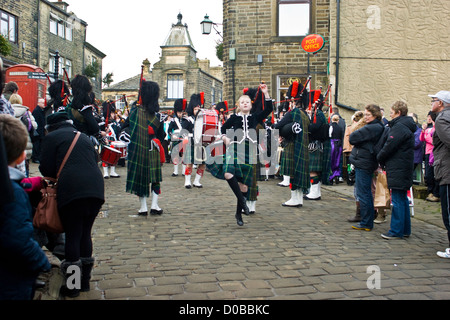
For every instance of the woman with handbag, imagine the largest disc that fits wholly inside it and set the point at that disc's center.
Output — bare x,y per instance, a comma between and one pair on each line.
80,192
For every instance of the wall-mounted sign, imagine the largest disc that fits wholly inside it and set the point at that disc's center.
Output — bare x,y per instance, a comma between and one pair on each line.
313,43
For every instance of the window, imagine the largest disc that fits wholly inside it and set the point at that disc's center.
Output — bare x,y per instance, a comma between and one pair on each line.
119,102
283,83
61,32
293,18
63,63
53,26
175,86
69,68
8,26
60,27
69,28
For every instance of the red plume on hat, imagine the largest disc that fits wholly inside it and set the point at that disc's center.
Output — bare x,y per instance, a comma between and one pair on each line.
184,104
294,89
202,98
245,91
226,104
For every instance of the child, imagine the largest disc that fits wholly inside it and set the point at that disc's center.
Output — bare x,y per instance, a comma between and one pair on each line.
22,258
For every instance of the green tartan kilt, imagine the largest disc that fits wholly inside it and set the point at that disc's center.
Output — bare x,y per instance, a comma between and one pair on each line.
142,172
237,163
286,161
316,160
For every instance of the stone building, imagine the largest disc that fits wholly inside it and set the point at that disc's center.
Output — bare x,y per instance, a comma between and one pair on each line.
262,42
375,51
39,29
178,72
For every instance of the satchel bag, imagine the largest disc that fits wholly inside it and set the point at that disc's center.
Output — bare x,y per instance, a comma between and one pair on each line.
46,216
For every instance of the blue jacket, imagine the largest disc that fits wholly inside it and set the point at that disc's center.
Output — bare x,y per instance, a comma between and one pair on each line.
21,257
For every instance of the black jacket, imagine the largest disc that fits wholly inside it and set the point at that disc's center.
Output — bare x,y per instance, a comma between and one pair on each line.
397,154
81,177
363,140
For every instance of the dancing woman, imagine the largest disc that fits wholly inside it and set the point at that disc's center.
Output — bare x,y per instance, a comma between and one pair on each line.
238,168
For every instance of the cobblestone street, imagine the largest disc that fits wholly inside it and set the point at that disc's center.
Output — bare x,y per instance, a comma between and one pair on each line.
196,251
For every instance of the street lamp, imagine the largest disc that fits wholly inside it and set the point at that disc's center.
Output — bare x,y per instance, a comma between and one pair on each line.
207,26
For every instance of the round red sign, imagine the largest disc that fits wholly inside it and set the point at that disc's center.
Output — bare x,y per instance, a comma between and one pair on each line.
313,43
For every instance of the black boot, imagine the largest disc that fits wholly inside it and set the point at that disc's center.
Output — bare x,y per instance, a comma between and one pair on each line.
238,215
234,185
87,265
70,278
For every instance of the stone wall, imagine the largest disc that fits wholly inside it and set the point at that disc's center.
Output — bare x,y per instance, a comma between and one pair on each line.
24,51
392,50
250,27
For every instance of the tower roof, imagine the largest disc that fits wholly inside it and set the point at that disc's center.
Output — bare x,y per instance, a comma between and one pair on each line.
178,35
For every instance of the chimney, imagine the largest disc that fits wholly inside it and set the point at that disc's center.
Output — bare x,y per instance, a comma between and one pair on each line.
61,4
147,74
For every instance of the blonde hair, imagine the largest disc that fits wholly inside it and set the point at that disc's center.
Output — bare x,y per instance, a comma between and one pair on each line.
335,118
15,99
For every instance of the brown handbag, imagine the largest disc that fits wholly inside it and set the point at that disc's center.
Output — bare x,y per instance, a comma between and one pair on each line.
46,216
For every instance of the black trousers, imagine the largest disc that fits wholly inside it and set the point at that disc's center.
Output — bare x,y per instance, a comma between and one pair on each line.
432,185
78,218
445,207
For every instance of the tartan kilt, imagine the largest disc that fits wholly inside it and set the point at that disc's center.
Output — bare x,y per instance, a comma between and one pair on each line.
287,157
320,161
236,163
316,160
144,166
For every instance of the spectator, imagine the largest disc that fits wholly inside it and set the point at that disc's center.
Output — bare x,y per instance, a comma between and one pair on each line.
10,89
418,145
80,193
22,113
336,136
357,123
427,137
22,258
397,156
5,105
441,140
39,117
365,162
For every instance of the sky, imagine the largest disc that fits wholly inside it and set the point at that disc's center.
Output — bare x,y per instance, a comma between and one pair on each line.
132,30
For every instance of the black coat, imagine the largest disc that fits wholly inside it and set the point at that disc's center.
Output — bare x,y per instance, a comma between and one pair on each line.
397,154
81,176
39,117
363,140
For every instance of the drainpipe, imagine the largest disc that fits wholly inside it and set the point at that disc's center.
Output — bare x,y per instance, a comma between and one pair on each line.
338,38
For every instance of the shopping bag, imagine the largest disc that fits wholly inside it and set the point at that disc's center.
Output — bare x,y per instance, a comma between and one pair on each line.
382,195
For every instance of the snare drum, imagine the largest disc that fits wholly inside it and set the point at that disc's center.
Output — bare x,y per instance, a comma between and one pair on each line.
206,126
121,146
110,155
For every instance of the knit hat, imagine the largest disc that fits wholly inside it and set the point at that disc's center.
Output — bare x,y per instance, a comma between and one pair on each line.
56,118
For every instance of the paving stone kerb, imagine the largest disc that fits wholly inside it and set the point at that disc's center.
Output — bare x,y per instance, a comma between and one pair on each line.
196,251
